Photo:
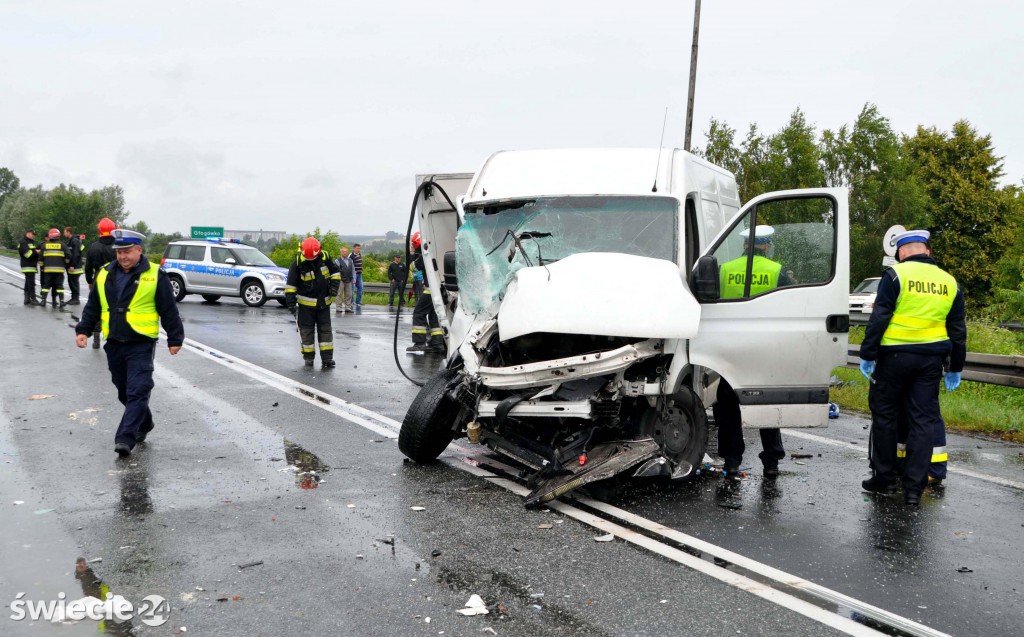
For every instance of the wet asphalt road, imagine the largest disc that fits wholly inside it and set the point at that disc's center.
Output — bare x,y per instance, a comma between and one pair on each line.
212,490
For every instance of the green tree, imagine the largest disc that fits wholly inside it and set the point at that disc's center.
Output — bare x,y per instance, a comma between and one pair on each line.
284,252
24,209
972,218
870,160
721,148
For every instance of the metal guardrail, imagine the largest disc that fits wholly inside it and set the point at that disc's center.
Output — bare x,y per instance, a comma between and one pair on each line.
994,369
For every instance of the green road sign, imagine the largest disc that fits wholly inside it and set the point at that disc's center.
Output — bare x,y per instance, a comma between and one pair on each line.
201,232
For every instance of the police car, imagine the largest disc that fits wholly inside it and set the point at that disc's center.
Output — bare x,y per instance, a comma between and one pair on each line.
223,267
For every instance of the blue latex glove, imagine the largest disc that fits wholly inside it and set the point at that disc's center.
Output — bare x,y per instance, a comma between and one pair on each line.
867,368
952,380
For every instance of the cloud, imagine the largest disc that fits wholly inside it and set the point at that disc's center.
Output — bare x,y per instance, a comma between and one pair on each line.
172,166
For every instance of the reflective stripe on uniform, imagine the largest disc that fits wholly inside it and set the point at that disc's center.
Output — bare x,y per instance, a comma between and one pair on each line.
76,271
28,270
308,349
939,454
326,346
437,331
289,288
426,291
305,300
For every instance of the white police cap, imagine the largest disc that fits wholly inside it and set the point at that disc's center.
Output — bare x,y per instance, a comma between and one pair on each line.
911,236
762,234
127,238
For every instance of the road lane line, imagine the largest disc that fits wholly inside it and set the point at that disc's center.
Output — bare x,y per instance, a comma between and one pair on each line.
779,597
952,468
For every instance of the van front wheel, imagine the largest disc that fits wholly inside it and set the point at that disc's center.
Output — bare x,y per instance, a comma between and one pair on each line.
430,423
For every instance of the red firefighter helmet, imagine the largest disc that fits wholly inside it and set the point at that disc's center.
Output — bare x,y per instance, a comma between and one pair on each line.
53,234
417,240
106,226
310,247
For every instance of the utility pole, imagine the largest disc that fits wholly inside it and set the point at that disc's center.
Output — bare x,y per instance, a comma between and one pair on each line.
693,76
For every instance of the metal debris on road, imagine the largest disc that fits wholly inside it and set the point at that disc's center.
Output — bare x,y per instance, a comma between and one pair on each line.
604,538
95,560
40,396
545,526
797,456
435,553
248,564
418,508
964,569
390,540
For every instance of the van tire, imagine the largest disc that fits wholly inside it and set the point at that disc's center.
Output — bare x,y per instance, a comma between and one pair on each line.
429,425
177,287
253,293
680,426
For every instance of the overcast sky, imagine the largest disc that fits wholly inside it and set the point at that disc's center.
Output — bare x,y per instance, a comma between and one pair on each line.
290,115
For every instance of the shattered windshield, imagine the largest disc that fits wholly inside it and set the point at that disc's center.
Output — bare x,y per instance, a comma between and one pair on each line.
499,238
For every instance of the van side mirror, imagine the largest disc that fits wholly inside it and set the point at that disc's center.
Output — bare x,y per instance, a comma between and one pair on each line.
451,280
704,282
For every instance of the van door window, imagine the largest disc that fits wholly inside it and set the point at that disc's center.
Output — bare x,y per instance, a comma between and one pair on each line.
793,242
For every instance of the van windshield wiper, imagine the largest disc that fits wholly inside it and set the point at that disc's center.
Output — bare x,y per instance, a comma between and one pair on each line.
517,240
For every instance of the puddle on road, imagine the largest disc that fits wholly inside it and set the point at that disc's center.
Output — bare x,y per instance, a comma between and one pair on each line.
307,466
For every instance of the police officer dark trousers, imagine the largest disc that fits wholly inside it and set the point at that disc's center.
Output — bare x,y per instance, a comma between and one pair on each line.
129,300
917,322
28,253
730,435
940,456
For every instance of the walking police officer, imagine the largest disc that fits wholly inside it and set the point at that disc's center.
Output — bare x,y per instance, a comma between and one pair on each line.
916,324
130,299
28,252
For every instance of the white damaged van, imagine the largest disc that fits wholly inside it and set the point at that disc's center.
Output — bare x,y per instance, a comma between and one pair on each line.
593,299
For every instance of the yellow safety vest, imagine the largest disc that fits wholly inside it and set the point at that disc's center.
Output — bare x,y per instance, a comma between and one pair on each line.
142,316
764,276
926,296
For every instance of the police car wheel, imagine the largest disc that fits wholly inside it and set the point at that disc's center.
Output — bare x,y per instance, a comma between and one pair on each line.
211,297
253,294
177,287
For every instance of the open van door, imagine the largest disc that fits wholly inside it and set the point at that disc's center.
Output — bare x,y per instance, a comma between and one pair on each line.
438,223
774,290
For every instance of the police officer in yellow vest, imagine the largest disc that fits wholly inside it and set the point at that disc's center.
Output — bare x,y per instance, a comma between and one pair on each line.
917,324
765,275
130,299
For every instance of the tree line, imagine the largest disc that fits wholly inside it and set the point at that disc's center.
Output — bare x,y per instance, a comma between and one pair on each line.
944,181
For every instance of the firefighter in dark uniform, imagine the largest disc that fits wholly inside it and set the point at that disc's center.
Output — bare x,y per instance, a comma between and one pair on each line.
55,264
100,253
131,298
765,275
313,282
75,270
28,252
917,323
427,335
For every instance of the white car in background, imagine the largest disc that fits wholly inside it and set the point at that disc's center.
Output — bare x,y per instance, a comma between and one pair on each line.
862,298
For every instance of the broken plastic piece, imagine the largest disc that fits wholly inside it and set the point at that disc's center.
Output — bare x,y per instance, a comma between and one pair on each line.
475,606
248,564
545,526
604,538
583,459
418,508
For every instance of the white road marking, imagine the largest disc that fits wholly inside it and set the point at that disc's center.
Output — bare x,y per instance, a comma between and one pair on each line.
952,468
389,427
